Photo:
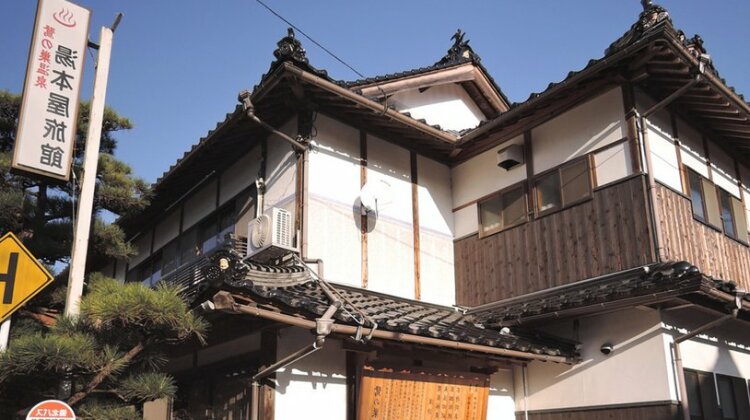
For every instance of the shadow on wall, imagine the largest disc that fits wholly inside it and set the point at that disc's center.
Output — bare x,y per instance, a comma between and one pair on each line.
317,380
637,359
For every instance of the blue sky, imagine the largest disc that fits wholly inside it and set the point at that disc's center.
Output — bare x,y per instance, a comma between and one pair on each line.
177,66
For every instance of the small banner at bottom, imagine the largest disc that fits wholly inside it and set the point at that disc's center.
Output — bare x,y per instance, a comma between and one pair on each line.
51,410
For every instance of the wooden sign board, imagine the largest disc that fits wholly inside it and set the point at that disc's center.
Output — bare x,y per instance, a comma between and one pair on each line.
49,110
418,394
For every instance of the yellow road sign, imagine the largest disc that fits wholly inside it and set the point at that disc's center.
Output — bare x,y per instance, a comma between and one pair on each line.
21,275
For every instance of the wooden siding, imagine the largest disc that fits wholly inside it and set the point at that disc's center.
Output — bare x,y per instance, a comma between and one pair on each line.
608,233
685,238
653,412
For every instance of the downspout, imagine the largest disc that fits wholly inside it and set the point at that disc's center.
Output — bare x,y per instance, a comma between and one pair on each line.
524,372
249,109
643,140
323,327
684,405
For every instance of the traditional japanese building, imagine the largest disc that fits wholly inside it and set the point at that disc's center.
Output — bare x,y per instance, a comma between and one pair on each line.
439,252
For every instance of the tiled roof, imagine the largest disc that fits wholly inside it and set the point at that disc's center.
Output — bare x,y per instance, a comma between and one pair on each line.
293,290
643,285
650,20
459,53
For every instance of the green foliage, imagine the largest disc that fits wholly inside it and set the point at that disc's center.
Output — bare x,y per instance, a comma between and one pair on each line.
112,307
104,411
117,340
147,386
41,212
112,352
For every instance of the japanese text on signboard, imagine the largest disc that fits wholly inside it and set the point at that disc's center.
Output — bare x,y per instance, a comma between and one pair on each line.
47,124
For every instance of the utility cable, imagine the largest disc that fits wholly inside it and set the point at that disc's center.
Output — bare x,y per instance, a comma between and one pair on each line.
329,52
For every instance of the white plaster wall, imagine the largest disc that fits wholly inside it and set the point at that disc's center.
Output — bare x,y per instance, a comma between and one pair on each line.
480,175
585,128
466,221
723,350
333,232
745,176
281,170
314,387
636,371
167,229
446,105
142,247
664,157
716,356
722,169
199,205
390,244
613,164
435,232
500,403
239,175
691,148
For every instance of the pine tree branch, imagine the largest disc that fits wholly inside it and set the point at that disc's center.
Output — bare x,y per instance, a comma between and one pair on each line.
46,318
104,373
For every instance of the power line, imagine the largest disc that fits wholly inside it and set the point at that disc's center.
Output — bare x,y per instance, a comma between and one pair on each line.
296,28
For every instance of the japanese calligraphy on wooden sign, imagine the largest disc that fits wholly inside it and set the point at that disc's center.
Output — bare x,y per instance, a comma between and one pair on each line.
421,394
49,110
21,275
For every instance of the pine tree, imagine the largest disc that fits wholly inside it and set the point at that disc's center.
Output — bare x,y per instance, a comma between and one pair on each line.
110,354
40,212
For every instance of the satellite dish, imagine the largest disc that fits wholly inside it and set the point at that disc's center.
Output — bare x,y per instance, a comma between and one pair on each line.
375,195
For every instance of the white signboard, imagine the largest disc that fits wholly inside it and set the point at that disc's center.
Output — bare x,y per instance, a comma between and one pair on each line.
49,111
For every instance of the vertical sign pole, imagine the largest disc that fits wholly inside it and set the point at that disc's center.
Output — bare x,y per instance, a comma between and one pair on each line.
90,162
4,334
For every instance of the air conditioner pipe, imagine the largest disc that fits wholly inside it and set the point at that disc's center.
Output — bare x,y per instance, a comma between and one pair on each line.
318,262
684,405
249,109
260,188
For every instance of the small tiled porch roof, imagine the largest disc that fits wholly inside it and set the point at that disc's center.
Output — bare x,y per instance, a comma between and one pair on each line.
663,284
294,291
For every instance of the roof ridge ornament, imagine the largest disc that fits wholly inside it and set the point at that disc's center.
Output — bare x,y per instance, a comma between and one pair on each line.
651,16
290,48
460,51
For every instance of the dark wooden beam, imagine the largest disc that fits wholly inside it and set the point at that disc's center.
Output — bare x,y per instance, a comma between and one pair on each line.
415,223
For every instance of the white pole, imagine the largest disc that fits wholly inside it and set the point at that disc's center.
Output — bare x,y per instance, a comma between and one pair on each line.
4,334
90,162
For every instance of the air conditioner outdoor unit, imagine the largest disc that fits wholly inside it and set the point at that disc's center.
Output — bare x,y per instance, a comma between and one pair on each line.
269,236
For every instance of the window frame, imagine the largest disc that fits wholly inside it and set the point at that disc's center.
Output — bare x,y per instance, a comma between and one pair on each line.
719,194
564,204
500,194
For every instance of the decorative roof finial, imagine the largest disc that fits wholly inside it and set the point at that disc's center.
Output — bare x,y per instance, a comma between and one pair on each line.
651,16
459,51
289,48
458,38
